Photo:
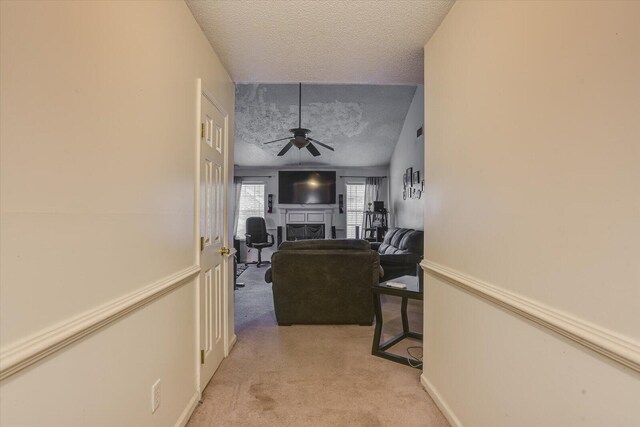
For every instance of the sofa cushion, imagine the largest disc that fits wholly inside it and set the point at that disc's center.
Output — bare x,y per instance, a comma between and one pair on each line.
321,244
402,241
400,252
396,238
412,242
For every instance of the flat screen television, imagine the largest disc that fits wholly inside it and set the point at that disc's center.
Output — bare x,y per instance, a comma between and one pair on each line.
306,187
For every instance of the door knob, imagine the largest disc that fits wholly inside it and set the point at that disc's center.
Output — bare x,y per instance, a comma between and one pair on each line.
225,251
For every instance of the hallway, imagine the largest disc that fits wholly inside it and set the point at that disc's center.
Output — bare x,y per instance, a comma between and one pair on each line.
310,375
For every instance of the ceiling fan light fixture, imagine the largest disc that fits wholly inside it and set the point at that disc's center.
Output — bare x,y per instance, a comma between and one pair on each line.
300,139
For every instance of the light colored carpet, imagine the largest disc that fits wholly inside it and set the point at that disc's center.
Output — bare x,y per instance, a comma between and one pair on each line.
312,375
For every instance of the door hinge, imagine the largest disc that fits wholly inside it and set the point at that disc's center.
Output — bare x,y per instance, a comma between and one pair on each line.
201,130
201,244
202,357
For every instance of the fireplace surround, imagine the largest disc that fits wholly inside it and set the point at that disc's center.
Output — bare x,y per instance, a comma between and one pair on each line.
303,222
305,231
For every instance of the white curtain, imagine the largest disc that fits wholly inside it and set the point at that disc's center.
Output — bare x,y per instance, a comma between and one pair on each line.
237,181
372,186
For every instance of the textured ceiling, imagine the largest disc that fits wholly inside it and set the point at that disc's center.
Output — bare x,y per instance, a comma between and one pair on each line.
361,122
331,41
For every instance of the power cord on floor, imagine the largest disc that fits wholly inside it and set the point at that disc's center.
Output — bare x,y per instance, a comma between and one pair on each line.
413,357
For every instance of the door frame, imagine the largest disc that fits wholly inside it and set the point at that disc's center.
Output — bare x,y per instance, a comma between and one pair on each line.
203,90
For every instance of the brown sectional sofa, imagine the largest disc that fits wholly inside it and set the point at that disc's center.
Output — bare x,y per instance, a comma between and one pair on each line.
324,282
400,252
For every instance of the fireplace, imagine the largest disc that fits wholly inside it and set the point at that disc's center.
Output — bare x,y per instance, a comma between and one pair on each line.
305,231
305,222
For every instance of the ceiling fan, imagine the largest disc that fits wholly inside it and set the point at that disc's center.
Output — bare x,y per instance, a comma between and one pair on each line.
300,138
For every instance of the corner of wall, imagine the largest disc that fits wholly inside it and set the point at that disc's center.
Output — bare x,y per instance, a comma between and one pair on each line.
408,153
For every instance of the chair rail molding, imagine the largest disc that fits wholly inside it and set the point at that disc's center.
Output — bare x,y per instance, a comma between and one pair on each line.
593,337
43,344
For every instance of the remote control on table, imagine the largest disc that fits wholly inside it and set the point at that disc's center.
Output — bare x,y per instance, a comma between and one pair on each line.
396,285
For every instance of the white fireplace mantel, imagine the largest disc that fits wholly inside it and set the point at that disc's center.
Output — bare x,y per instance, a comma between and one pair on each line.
307,214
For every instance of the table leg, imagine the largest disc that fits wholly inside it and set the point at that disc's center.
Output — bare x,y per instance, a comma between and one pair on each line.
405,318
380,349
378,331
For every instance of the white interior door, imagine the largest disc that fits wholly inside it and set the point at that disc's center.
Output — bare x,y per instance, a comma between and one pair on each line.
212,208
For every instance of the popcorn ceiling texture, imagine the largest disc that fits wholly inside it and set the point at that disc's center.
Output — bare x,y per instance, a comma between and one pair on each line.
321,41
361,122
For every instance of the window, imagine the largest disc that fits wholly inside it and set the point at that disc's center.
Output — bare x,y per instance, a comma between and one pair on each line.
251,204
355,208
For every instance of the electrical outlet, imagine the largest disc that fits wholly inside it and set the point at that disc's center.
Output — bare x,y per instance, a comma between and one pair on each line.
155,396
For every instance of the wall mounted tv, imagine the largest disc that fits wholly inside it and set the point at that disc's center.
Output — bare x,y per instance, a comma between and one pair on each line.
306,187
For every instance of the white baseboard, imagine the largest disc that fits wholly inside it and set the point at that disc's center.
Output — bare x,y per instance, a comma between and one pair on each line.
232,343
439,401
188,410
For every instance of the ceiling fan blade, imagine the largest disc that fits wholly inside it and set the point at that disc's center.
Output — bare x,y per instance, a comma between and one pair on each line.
313,150
285,149
320,143
276,140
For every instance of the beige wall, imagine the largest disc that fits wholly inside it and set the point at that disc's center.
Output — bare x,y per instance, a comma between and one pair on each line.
98,160
532,154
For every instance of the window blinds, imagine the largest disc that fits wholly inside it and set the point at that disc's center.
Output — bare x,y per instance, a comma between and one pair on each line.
355,208
251,204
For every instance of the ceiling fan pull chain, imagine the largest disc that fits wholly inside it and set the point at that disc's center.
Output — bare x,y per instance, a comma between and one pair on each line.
300,105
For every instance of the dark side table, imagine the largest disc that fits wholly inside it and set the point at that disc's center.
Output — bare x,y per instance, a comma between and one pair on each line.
412,291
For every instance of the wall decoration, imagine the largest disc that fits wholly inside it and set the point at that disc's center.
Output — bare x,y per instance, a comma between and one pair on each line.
270,203
340,203
412,186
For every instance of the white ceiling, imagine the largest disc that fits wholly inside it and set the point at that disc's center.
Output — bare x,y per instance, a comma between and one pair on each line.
361,122
331,41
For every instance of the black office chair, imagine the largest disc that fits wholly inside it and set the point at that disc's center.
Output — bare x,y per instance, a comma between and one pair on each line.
257,237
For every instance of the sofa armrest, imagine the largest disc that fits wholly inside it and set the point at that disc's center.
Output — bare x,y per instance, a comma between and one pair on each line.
400,259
